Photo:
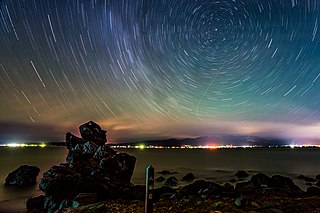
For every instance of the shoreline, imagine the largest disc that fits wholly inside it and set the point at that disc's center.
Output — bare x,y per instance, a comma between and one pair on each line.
20,204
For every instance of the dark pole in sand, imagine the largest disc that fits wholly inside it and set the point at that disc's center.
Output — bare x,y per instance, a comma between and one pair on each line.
149,189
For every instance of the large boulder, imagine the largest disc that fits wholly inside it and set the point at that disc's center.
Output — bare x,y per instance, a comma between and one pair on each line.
284,184
23,176
260,179
92,132
202,188
188,177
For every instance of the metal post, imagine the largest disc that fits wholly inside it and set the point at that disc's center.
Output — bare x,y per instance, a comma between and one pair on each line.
149,189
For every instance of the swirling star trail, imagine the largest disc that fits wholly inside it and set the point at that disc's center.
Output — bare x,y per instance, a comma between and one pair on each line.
156,69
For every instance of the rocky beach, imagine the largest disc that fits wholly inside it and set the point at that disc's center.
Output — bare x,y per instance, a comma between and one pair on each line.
97,178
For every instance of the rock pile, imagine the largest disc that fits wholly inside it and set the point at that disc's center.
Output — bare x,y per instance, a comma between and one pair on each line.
91,167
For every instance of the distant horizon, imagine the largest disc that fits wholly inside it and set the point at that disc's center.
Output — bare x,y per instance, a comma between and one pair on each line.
164,139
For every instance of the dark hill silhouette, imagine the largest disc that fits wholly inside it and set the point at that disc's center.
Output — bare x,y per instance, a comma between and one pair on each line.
216,140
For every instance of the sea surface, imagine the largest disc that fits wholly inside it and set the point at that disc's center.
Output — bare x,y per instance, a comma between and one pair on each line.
217,165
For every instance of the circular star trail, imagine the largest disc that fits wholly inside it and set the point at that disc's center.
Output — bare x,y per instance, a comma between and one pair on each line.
149,69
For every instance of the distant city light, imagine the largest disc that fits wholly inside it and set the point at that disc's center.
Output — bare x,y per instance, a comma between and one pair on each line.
21,145
210,147
141,146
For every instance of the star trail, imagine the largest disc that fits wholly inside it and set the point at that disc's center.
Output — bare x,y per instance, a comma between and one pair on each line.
160,68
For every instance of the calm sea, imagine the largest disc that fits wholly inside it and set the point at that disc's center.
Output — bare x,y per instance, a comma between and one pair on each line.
216,165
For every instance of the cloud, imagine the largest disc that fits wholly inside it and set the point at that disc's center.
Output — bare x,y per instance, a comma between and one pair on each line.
25,132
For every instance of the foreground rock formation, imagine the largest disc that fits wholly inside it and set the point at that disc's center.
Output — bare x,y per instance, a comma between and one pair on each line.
91,167
23,176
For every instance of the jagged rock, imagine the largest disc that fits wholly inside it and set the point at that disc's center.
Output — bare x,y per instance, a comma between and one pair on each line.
68,204
166,172
92,167
109,166
22,176
160,179
188,177
171,181
241,174
50,203
85,167
307,179
92,132
89,148
260,179
104,151
60,180
35,202
126,164
72,140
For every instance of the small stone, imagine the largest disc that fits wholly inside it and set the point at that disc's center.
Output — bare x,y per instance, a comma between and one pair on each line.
254,204
267,204
173,197
238,202
217,204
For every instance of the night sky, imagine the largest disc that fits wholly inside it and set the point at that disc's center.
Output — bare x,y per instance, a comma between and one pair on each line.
147,69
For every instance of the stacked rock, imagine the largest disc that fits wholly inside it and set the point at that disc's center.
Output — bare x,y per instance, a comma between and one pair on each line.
91,166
